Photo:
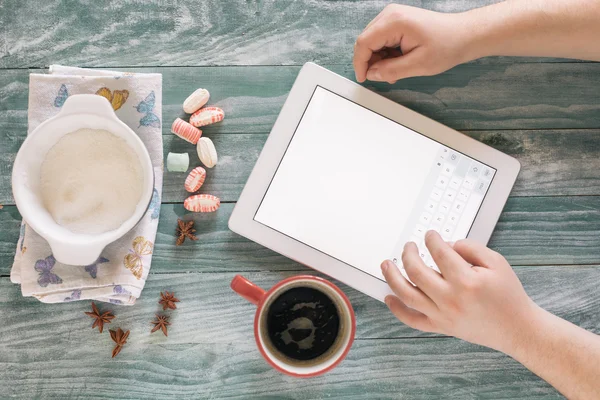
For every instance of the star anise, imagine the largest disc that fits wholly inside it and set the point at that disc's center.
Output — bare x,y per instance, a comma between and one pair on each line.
100,319
120,338
161,322
168,300
185,229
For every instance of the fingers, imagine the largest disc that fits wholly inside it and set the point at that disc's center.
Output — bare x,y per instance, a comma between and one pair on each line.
426,279
370,41
407,315
451,264
478,255
393,69
362,52
411,296
375,58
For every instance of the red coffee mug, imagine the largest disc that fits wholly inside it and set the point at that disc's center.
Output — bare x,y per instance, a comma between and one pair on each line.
264,299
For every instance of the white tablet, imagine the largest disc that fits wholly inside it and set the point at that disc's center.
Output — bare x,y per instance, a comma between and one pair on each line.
347,177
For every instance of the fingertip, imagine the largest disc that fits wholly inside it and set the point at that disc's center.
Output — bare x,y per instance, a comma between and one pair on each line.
384,266
388,300
409,245
433,238
373,74
359,73
431,234
459,244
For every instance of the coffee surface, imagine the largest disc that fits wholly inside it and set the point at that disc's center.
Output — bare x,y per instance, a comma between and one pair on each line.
303,323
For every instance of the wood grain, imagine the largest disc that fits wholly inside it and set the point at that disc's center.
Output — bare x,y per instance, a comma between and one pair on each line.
191,33
545,112
468,97
210,312
210,348
531,231
378,369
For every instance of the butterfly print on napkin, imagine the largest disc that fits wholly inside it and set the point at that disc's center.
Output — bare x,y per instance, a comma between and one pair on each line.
146,107
154,205
134,260
117,98
44,267
92,269
60,99
76,295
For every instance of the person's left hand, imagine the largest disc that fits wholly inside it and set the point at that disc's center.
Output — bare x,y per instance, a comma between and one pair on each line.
404,41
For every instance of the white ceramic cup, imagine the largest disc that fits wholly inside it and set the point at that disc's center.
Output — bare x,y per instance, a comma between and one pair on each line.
79,112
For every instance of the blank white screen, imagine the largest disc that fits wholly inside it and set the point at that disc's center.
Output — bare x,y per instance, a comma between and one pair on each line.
348,181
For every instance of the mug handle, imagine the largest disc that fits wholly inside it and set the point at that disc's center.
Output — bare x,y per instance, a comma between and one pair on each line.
248,290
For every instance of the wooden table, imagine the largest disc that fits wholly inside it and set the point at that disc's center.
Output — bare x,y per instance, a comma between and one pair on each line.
248,52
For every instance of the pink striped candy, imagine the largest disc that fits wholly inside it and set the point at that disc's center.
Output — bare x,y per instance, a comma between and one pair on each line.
202,203
186,131
206,116
195,179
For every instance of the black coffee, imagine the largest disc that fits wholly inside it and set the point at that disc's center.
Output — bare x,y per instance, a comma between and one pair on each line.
303,323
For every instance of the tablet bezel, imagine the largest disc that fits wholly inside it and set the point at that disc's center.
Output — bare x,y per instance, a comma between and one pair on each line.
310,76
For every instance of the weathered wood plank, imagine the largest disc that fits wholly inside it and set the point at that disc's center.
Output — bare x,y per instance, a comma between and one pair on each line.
210,312
555,163
190,33
210,349
469,97
381,369
531,231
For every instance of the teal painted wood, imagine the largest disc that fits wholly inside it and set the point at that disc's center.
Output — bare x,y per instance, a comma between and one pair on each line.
531,231
377,369
525,107
210,312
51,351
468,97
191,33
551,162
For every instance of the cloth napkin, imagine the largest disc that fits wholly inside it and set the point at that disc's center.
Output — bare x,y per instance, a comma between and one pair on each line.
119,274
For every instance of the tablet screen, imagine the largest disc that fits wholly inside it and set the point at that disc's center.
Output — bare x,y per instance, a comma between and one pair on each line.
357,186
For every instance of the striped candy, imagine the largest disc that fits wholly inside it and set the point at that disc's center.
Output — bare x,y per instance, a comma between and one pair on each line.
186,131
202,203
196,100
206,116
195,179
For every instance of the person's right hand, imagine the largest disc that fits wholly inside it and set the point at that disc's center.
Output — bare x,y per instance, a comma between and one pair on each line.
404,41
477,297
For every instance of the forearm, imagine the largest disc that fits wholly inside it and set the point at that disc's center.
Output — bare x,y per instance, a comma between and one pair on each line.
543,28
566,356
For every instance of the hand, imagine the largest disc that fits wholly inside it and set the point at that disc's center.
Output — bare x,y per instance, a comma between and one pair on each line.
477,297
430,43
